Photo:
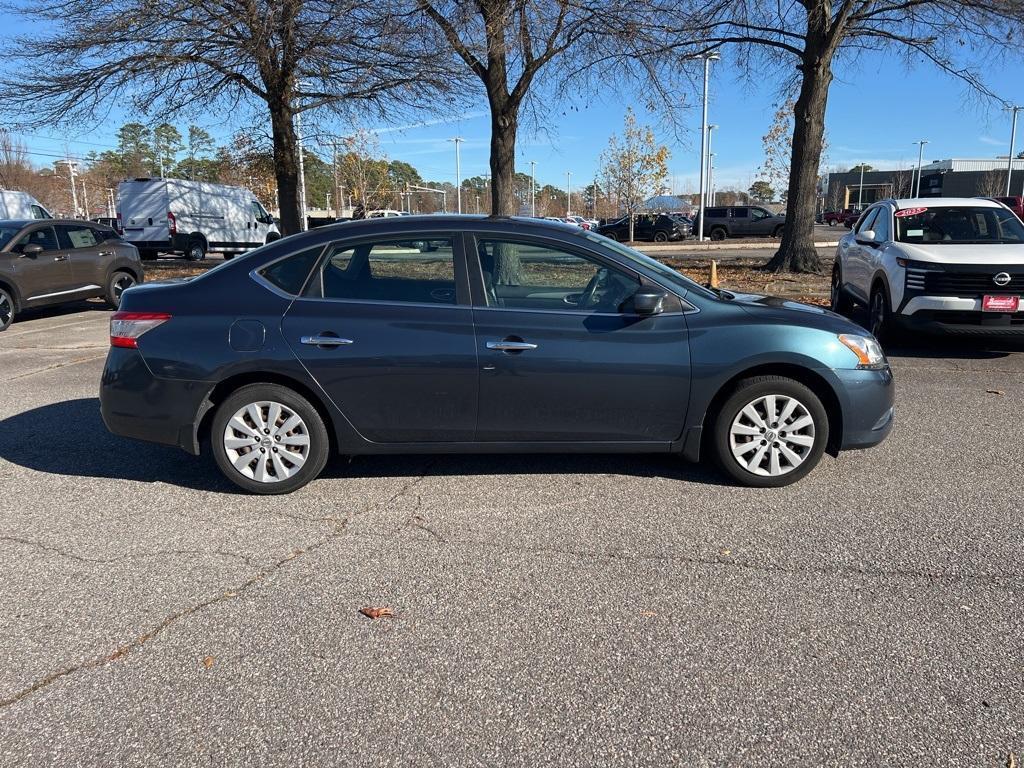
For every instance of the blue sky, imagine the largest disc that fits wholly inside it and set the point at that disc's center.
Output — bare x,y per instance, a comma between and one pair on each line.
876,111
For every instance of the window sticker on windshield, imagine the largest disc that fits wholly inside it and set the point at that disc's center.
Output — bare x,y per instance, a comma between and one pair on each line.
915,233
909,212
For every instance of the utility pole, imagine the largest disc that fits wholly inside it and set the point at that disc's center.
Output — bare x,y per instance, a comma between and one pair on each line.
860,193
110,203
1013,138
703,144
302,166
533,188
458,171
568,193
74,190
85,198
711,178
920,158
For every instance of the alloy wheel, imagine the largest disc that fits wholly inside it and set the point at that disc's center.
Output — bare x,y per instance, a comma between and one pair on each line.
877,313
772,435
6,310
266,441
121,283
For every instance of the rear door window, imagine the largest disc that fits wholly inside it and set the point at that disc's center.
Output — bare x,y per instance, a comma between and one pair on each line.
405,271
76,236
290,273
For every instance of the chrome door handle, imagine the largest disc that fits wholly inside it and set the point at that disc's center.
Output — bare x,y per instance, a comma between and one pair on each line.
511,346
60,258
325,341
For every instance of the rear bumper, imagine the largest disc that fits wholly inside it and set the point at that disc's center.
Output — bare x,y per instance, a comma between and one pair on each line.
134,403
868,402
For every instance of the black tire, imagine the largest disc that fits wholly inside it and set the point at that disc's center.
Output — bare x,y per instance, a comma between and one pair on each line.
661,237
777,232
880,313
748,392
717,234
196,249
831,222
614,236
118,282
840,300
7,309
229,255
314,429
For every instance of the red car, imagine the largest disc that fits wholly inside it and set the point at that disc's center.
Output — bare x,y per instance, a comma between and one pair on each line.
847,217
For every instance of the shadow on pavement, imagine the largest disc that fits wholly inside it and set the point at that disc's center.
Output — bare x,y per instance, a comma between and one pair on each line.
69,438
58,310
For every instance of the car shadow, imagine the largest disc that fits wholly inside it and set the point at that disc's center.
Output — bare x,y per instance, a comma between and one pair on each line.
59,310
70,439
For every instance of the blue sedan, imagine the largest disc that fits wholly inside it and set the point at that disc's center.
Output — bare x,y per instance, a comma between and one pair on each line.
464,334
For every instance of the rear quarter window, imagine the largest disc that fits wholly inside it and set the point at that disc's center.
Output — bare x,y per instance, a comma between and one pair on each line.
290,273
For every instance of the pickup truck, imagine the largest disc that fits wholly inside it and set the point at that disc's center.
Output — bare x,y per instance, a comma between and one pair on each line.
847,217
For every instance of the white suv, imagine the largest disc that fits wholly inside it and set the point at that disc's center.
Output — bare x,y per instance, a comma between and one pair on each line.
954,265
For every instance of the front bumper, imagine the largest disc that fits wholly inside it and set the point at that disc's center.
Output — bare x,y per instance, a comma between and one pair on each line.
957,316
134,403
868,403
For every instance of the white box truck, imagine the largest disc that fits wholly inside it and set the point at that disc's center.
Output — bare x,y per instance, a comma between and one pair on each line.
21,205
191,218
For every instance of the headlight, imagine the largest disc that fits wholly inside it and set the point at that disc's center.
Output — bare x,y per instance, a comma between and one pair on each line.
867,350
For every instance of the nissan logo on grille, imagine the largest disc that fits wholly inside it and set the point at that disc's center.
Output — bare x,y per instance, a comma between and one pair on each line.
1003,278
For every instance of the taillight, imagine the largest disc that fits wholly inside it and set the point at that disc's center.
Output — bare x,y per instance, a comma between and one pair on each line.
172,225
120,224
127,327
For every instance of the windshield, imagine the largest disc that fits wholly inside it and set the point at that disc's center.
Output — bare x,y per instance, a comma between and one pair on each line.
6,233
669,275
954,225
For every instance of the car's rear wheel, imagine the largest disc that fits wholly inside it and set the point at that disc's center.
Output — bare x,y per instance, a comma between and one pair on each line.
196,250
6,310
840,301
770,432
269,439
718,234
118,283
777,232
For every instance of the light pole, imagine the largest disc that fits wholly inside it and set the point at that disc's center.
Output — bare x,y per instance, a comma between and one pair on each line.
920,158
533,188
703,144
568,193
458,171
1013,138
711,176
860,192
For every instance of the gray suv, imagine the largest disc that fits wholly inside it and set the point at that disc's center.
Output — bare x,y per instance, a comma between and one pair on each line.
721,222
53,261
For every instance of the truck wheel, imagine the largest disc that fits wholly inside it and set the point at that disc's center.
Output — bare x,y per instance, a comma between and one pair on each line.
6,310
831,222
718,234
196,250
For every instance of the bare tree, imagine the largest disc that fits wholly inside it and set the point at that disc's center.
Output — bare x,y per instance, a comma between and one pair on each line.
815,35
167,57
992,184
511,46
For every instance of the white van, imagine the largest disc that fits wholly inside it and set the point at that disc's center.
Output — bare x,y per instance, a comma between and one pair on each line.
191,218
21,205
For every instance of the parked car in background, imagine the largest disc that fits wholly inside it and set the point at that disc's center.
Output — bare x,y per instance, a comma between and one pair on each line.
191,218
847,217
1015,204
21,205
721,222
384,213
579,221
55,261
949,265
584,345
658,228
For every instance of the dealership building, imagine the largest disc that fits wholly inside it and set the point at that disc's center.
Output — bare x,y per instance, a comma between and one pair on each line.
956,177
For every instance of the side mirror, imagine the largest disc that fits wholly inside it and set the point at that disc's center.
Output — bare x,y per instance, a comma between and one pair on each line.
32,249
867,237
649,301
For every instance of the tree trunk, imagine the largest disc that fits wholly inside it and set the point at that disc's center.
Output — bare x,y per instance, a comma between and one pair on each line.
504,125
286,165
797,252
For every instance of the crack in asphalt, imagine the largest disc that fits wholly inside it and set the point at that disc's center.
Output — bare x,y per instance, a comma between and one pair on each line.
133,645
998,580
121,558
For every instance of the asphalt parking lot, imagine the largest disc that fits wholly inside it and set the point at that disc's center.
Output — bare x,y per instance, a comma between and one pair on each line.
548,610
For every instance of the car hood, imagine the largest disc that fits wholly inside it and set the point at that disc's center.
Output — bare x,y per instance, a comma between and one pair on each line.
963,254
777,309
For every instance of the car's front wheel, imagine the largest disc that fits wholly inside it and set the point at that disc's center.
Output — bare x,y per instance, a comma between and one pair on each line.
840,302
879,313
269,439
6,310
661,236
770,432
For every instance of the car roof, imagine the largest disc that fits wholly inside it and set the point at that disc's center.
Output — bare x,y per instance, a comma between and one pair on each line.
946,202
19,223
433,222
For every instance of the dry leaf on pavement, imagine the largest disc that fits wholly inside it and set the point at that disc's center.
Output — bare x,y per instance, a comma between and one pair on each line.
376,613
208,661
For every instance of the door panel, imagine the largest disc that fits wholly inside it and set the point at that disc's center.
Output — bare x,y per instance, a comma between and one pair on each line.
46,275
400,369
589,373
88,254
